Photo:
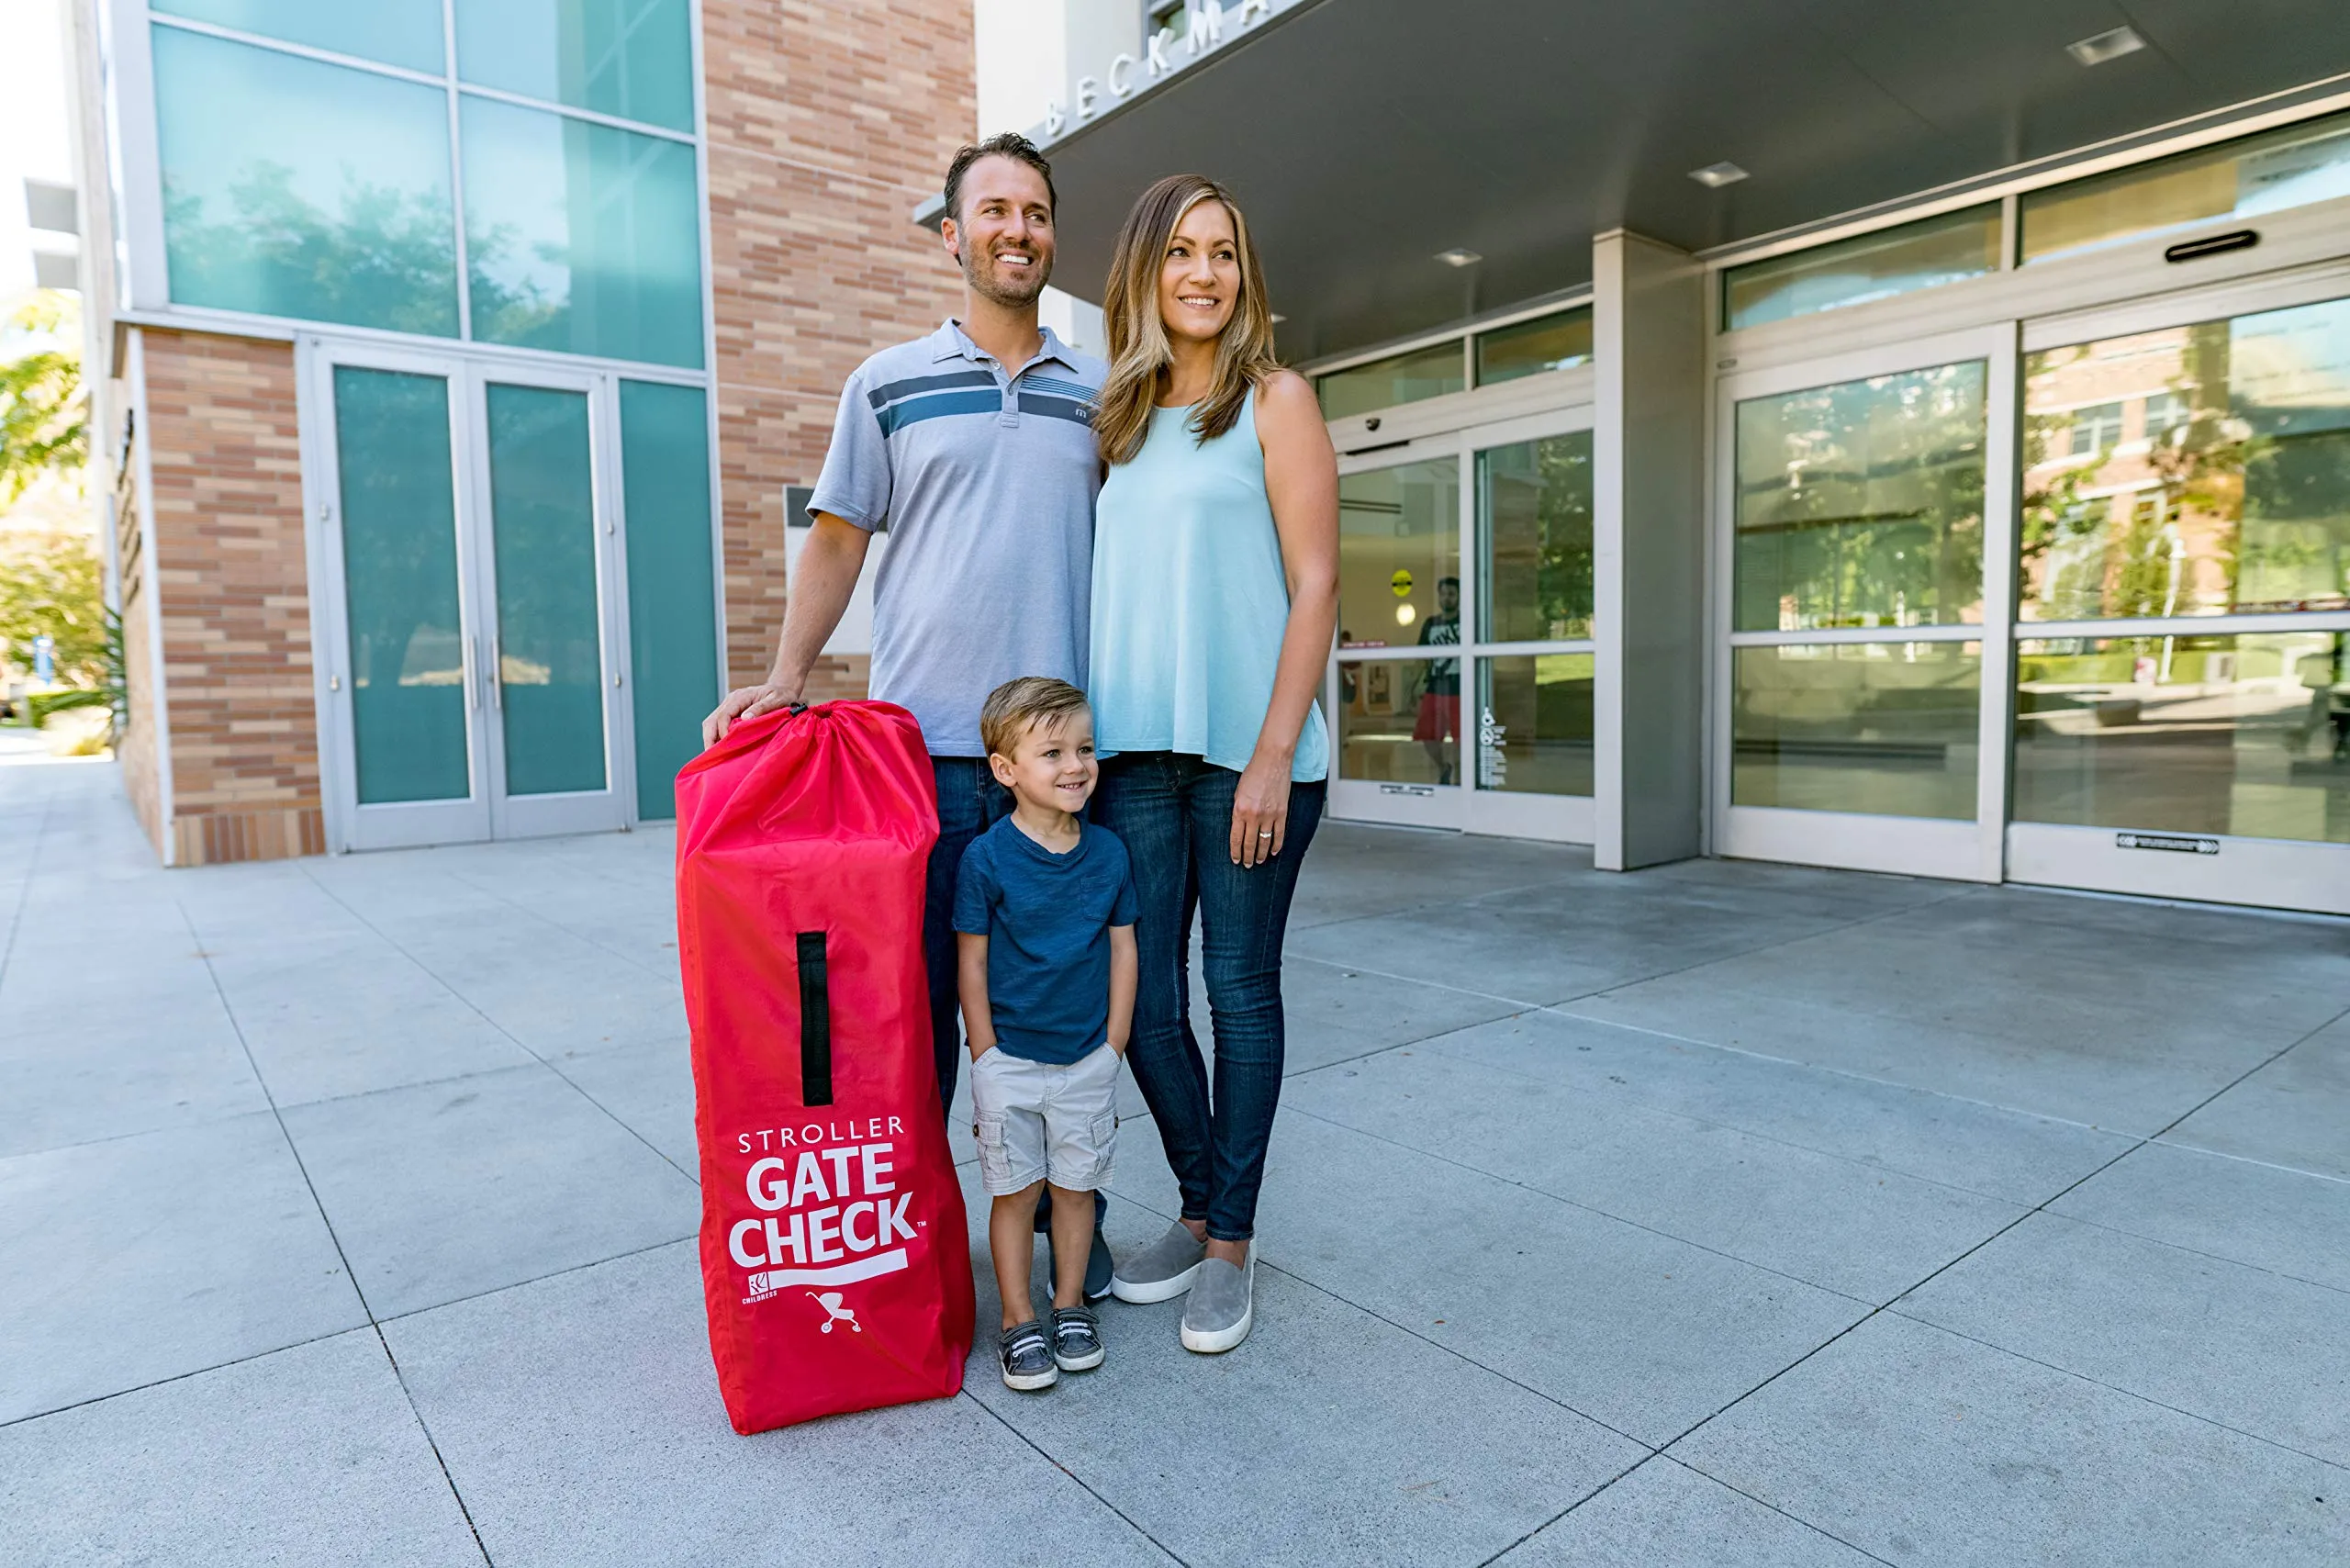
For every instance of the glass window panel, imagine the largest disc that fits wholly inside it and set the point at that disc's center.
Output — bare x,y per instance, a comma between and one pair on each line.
1534,539
1399,721
550,642
2247,735
1867,266
1861,504
399,566
1529,348
1384,383
581,238
1534,724
2194,471
633,59
672,620
397,32
1884,728
297,189
1399,556
2288,167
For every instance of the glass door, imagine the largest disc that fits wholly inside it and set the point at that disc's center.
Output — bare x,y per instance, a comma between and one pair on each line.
2182,703
465,600
1851,724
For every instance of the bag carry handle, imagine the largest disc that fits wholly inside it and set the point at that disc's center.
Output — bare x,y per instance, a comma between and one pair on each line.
815,1023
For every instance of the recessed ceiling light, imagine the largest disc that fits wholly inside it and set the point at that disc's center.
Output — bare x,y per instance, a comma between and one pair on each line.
1278,318
1457,257
2097,50
1714,176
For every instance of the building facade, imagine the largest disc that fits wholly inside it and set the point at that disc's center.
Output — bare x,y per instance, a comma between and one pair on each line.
460,357
1917,444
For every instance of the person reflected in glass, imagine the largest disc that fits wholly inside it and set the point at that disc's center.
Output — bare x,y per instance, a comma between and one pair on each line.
1437,725
1215,573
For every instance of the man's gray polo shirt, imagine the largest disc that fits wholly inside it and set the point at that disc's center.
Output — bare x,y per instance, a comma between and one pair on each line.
985,480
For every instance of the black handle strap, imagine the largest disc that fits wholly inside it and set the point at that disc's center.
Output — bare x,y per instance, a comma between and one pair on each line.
815,1023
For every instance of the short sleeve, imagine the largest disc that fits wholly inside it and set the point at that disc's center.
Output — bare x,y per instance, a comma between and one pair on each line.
855,484
976,890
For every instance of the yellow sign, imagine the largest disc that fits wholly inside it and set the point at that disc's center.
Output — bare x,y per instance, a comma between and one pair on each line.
1402,583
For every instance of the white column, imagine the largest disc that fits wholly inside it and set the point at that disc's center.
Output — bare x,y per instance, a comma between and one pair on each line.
1648,443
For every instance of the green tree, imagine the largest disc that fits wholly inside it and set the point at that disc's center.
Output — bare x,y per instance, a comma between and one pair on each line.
52,583
44,417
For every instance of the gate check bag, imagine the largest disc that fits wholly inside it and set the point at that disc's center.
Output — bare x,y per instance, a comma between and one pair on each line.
834,1257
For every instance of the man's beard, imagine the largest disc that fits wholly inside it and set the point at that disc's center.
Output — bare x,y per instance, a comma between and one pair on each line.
989,281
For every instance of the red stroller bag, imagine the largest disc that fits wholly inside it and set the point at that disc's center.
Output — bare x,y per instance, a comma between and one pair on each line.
834,1261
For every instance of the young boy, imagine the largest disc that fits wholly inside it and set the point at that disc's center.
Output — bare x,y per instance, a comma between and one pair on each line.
1045,947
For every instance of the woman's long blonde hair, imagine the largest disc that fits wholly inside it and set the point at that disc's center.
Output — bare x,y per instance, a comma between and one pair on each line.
1139,356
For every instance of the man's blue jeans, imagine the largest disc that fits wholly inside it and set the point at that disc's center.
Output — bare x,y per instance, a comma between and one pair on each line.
1174,814
969,802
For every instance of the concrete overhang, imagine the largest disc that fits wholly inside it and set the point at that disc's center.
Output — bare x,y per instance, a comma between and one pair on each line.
1365,136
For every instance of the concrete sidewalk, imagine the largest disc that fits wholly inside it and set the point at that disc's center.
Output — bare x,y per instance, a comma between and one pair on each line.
1722,1214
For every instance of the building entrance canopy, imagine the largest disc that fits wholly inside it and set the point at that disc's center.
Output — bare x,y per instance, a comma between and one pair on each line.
1366,137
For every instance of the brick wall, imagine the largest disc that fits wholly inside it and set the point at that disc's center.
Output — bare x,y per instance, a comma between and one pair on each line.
136,745
225,458
829,120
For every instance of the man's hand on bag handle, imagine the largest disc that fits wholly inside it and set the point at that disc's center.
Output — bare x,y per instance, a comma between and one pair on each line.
823,578
744,702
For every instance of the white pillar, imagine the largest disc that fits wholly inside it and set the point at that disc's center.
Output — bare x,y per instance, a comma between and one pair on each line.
1648,455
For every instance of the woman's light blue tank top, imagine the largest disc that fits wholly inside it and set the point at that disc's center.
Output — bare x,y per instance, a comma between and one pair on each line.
1190,601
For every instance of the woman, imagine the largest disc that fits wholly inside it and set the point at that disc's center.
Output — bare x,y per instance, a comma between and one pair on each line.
1216,570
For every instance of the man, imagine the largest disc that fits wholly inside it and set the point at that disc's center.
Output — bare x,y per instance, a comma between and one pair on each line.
1438,727
974,447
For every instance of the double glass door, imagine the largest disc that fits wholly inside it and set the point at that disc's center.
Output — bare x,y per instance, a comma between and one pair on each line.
1462,689
465,564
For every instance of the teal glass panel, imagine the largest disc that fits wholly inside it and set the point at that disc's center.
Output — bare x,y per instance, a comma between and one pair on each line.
297,189
633,59
550,645
1529,348
1401,378
397,32
1884,728
1534,520
672,611
581,238
400,568
1932,251
2291,166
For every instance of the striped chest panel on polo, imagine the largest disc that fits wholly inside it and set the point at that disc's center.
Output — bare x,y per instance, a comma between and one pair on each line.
966,390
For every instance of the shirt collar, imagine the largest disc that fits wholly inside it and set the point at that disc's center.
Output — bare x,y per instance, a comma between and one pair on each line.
950,341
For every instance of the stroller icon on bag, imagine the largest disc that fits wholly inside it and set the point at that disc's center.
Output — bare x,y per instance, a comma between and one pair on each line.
835,1312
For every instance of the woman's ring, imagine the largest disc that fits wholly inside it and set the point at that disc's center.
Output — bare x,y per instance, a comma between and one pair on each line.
1264,832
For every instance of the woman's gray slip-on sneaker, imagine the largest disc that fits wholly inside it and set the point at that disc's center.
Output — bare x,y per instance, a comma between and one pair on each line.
1163,1271
1027,1357
1223,1304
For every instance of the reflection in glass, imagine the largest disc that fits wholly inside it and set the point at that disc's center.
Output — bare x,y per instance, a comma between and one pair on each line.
550,646
1399,556
2247,735
1529,348
2288,167
1533,533
1534,724
399,566
397,32
1395,722
1886,728
2194,471
1932,251
1861,504
297,189
581,238
672,620
631,59
1401,378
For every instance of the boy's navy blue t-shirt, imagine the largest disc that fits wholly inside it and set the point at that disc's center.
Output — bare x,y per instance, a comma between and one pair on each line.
1046,918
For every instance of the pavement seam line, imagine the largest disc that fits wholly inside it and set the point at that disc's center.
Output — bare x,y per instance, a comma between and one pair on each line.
1000,1420
2170,1246
474,1007
301,1165
183,1377
2248,1160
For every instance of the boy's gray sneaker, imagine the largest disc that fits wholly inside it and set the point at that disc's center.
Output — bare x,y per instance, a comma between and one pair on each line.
1076,1338
1223,1304
1163,1271
1027,1357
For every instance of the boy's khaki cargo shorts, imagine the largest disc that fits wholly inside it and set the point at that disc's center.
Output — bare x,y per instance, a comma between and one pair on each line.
1038,1120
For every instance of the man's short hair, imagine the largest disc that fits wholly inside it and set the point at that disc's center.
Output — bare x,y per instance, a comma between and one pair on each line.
1003,144
1017,704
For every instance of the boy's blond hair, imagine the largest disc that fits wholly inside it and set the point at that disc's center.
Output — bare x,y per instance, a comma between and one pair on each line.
1017,704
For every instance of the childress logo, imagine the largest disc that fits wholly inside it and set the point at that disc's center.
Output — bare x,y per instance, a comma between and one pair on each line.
830,1216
